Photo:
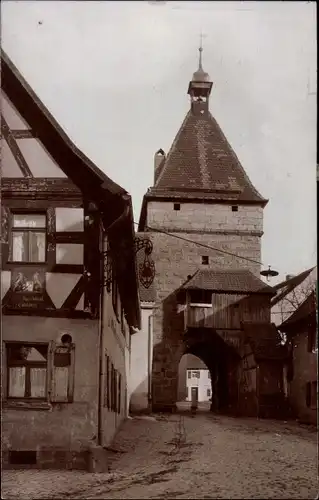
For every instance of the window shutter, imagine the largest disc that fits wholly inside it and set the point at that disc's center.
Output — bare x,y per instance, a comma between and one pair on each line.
50,373
4,371
62,369
119,393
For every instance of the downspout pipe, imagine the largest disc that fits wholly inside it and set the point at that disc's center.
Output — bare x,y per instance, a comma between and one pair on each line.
149,373
101,332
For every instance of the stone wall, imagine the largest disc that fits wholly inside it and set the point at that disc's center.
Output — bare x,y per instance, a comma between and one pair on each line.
175,259
204,217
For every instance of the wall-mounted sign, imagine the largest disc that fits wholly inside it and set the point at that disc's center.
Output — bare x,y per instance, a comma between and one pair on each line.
28,289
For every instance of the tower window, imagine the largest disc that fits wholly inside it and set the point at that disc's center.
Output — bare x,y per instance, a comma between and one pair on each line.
177,206
234,208
205,260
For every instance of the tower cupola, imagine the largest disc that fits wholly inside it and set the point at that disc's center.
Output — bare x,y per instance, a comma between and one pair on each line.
200,86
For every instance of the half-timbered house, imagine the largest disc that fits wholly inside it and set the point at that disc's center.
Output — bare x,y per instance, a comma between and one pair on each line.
69,289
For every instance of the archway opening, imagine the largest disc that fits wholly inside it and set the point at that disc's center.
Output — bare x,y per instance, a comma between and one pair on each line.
194,380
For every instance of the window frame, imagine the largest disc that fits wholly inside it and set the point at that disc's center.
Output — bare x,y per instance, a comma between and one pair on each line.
205,260
28,365
203,302
28,231
50,397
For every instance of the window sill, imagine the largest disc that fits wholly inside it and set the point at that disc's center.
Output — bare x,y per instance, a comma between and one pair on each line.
26,405
198,304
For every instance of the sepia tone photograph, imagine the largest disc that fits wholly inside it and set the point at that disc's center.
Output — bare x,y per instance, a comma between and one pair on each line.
159,291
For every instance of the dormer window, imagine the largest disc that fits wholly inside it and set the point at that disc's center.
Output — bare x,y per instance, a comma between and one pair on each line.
234,208
177,206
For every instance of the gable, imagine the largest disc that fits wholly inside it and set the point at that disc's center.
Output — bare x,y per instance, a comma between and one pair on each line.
22,153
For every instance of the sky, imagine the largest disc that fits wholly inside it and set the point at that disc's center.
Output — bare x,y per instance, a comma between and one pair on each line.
115,76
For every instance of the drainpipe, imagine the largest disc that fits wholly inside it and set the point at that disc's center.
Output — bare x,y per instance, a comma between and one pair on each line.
149,368
101,330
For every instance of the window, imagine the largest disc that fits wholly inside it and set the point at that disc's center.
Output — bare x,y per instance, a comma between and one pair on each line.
27,370
28,238
201,297
189,374
196,374
208,375
106,402
234,208
311,394
205,260
115,295
208,392
177,206
28,365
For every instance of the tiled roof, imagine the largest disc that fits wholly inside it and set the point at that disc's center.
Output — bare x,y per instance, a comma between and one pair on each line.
265,341
285,287
306,309
238,281
202,160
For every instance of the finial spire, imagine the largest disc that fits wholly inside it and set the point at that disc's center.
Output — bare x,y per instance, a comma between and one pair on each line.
201,36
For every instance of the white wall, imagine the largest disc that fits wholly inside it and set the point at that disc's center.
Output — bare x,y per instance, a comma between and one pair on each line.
140,364
116,345
203,383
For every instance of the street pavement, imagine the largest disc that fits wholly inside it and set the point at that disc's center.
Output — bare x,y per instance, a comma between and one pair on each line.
181,456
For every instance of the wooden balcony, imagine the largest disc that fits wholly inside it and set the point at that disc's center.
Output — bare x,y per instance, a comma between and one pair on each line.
227,311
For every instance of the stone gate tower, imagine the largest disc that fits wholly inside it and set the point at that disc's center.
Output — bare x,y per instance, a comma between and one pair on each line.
200,193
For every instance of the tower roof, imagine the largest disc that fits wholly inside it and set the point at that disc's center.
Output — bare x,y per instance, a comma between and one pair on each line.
202,161
201,164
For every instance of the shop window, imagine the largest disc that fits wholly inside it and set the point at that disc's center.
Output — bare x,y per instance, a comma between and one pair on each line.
28,238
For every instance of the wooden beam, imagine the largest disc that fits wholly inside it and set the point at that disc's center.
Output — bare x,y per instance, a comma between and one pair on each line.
69,237
54,313
23,134
15,150
73,298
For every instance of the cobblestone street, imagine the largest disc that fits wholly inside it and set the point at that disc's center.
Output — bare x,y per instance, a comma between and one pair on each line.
183,457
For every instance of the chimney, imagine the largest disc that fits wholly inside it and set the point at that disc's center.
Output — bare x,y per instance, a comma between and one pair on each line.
159,158
289,276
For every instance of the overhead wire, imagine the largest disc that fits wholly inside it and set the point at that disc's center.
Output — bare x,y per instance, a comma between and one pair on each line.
188,240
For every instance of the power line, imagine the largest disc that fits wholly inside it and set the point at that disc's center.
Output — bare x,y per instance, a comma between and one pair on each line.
201,244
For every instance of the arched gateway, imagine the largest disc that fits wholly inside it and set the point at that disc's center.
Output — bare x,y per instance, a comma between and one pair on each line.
205,219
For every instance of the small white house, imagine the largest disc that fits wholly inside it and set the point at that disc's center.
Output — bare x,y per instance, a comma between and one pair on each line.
200,381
